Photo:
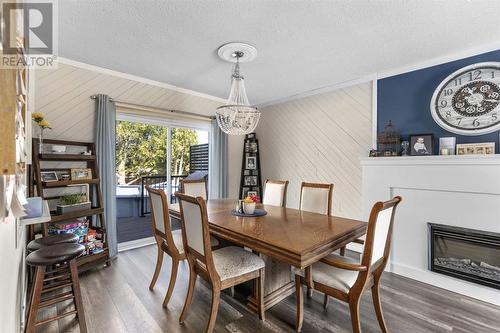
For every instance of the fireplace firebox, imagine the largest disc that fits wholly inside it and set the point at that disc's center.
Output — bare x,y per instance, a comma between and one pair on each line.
466,254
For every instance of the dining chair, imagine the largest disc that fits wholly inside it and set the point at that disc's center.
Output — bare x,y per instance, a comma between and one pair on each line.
275,192
195,188
222,268
346,279
167,240
316,198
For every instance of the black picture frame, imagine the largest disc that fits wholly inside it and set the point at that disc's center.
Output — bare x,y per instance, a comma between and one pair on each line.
424,143
251,163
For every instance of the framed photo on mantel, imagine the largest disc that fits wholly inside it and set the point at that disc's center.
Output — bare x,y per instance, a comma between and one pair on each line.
421,144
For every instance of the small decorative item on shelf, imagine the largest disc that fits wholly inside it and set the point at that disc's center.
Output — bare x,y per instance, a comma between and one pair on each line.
373,153
389,141
447,145
58,149
405,144
249,204
73,202
486,148
43,124
49,176
80,174
421,144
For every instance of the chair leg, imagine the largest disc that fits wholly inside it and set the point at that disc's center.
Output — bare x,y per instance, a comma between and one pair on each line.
35,299
75,282
325,302
378,306
159,262
260,295
309,292
300,304
213,309
189,295
342,251
171,284
354,308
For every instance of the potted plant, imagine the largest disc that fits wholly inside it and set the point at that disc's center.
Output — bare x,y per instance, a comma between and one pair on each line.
249,204
73,202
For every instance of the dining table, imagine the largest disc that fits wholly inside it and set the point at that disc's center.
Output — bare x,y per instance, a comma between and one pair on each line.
284,237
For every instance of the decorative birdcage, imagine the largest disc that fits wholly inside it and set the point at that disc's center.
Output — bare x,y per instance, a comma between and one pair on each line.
389,141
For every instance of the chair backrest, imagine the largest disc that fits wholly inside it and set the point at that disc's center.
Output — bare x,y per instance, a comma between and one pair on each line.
379,233
195,231
275,192
316,198
195,188
160,217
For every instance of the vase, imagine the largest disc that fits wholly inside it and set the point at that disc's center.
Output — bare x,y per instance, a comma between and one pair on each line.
40,141
249,208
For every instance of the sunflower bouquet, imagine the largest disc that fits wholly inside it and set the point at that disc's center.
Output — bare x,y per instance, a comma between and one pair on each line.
43,124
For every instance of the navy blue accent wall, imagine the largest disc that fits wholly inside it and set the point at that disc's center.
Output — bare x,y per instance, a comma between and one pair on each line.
405,100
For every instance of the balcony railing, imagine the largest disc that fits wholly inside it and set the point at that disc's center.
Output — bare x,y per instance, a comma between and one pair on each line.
158,182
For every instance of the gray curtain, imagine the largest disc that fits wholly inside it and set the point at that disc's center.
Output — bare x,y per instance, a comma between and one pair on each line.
105,151
218,169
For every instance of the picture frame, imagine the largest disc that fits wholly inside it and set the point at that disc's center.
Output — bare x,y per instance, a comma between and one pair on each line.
250,181
447,145
81,174
250,193
485,148
252,147
421,144
251,163
49,176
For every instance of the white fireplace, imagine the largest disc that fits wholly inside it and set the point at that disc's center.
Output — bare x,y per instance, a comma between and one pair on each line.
461,191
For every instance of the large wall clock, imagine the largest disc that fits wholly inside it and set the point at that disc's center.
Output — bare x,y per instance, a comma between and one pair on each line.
467,102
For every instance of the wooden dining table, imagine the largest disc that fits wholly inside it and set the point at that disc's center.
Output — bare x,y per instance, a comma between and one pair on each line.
284,237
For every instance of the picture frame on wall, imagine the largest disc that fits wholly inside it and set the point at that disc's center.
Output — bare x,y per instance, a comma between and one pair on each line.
421,144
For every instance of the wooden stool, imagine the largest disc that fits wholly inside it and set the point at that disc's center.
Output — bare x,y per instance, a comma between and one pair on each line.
51,240
58,279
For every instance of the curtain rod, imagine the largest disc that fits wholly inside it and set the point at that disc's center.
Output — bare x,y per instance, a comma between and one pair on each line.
145,107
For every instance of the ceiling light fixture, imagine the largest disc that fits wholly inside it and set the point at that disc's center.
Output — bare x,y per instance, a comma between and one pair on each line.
237,116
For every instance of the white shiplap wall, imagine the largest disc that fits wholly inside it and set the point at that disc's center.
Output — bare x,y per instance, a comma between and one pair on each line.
319,138
63,95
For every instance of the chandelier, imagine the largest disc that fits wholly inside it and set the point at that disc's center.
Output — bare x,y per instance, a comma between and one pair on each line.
237,116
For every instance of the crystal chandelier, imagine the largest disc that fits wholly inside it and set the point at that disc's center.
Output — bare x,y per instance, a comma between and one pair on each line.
237,116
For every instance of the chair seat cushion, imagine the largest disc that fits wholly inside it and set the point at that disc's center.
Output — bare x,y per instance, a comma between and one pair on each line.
38,243
334,277
234,261
54,254
177,236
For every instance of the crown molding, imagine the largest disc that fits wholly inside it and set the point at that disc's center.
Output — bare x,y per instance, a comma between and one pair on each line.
140,79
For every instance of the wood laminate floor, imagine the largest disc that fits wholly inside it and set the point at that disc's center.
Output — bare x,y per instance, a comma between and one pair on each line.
117,299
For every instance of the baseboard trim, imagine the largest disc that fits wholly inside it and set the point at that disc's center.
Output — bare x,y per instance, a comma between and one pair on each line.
125,246
482,293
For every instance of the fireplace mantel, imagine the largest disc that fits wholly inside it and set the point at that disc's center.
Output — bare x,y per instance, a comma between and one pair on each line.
461,191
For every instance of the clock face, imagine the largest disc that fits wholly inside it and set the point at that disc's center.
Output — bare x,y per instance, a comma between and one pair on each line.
468,101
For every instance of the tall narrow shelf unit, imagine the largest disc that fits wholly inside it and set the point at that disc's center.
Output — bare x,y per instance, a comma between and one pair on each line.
250,167
94,188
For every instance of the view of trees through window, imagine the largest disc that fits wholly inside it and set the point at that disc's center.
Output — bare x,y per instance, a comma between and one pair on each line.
141,150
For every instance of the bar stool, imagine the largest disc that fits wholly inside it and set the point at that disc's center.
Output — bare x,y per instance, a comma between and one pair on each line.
51,240
58,279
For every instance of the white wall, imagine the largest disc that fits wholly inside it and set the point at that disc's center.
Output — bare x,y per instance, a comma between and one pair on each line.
11,276
319,138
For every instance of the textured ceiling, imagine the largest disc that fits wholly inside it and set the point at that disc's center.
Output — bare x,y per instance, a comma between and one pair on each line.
302,45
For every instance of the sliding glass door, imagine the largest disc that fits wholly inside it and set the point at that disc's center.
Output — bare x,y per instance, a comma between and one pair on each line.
157,154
